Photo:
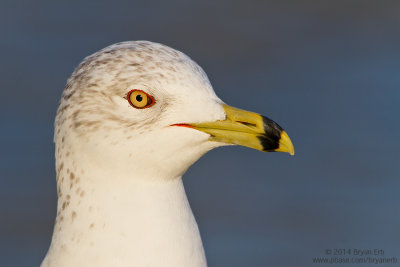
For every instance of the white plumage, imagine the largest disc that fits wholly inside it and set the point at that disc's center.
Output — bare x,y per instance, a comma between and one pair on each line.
121,200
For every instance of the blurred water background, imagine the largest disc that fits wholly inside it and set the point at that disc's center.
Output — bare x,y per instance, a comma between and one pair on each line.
327,71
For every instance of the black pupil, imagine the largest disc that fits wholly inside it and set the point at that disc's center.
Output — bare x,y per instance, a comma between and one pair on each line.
139,98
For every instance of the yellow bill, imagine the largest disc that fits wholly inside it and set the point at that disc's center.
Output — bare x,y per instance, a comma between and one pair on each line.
247,129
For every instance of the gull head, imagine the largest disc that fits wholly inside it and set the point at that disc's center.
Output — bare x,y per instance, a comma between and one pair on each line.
146,109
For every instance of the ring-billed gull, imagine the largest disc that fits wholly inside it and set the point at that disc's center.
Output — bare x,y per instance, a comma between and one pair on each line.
133,117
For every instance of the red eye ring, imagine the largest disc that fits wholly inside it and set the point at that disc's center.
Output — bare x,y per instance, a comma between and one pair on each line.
140,99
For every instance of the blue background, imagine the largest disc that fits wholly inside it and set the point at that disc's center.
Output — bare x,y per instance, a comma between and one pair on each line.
327,71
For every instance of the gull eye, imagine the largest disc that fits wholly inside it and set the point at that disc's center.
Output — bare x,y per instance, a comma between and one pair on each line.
139,99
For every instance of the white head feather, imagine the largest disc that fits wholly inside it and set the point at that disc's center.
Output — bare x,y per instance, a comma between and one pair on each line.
117,161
